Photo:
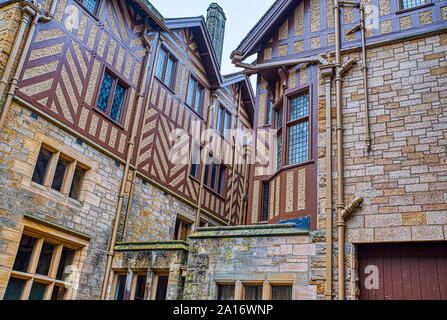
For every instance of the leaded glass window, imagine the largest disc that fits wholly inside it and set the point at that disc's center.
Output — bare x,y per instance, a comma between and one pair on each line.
111,97
195,95
299,143
165,68
90,5
408,4
265,201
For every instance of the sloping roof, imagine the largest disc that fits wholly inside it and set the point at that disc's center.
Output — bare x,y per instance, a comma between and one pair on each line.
204,44
263,26
153,13
248,96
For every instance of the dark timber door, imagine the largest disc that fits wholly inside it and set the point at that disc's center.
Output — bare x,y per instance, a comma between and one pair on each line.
405,271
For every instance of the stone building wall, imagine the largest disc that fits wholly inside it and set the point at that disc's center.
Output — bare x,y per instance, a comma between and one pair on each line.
262,254
403,180
20,142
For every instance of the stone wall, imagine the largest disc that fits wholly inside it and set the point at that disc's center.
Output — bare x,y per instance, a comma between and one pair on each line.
403,180
152,258
20,142
265,254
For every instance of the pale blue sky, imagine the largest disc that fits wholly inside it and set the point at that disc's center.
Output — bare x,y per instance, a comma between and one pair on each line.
242,15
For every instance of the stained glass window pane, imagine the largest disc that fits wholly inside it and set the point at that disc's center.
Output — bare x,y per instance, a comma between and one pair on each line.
278,151
265,202
169,72
14,289
104,94
118,99
299,143
190,96
198,102
46,255
90,5
160,64
24,254
299,107
59,174
38,291
41,166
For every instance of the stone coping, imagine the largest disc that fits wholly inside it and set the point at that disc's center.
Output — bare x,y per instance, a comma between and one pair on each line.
160,245
248,231
56,226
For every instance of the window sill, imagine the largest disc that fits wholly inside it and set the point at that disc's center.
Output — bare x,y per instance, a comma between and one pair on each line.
56,195
108,118
415,8
289,167
171,90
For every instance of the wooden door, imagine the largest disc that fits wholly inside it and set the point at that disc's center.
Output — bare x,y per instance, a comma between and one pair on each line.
405,271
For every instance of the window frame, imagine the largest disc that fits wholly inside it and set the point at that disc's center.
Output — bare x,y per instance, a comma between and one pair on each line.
96,11
116,80
284,130
133,289
223,110
182,221
68,175
401,9
197,84
45,233
219,165
264,184
155,278
225,283
169,54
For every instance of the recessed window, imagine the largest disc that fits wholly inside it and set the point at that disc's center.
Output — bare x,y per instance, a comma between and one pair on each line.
161,287
195,160
225,292
54,170
111,97
42,267
120,286
281,292
265,201
252,292
223,121
194,97
408,4
139,291
215,175
43,160
90,5
182,230
165,68
292,132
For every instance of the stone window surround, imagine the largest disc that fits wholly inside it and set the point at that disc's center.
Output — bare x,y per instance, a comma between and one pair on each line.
58,147
59,238
131,281
239,286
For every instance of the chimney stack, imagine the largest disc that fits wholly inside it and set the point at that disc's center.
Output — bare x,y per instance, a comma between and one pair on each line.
215,23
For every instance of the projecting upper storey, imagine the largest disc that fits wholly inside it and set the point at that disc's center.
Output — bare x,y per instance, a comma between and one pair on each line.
297,28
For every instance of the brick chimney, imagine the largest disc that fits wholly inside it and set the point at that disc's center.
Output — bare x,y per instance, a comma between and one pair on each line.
215,23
